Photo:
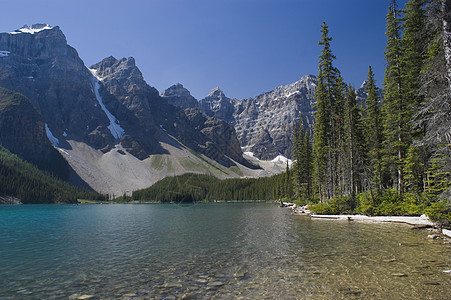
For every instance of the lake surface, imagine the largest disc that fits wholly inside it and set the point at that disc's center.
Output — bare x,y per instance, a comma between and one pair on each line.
204,251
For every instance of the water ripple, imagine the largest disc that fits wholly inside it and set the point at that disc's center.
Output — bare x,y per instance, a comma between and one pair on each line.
208,251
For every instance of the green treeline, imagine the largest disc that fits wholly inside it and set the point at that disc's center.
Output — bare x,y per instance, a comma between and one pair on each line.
196,187
29,184
391,155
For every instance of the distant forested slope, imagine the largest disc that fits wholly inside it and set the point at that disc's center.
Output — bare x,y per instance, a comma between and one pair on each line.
195,187
30,185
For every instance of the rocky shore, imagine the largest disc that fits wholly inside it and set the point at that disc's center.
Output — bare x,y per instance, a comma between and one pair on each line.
419,222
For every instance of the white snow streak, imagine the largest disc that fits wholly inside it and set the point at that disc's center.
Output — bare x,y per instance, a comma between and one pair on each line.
4,53
51,137
116,130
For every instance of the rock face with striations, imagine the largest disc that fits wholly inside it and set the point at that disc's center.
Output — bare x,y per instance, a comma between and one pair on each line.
23,132
40,65
143,114
264,124
177,95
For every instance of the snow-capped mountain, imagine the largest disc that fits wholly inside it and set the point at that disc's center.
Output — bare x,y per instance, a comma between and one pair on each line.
113,128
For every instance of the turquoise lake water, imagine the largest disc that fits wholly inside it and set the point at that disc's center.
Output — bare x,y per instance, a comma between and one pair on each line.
205,251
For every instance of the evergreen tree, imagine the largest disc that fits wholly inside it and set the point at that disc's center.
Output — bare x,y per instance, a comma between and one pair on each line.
414,43
373,133
297,160
395,108
354,141
328,97
301,168
308,167
321,137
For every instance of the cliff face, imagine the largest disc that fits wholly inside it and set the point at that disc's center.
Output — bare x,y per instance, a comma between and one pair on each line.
177,95
264,124
144,115
41,66
23,132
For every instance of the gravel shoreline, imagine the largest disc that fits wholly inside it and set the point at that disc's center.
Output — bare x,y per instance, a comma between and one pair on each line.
415,221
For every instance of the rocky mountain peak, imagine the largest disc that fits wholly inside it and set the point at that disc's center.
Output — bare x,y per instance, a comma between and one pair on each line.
217,93
177,90
178,95
111,67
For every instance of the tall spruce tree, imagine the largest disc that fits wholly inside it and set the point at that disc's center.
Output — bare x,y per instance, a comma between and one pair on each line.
395,107
414,45
373,134
354,141
297,155
328,93
321,136
308,167
302,164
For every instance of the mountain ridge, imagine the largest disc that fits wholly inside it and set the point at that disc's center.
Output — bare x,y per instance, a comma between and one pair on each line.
114,129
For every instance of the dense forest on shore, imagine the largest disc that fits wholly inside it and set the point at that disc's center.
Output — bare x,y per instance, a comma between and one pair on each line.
198,187
388,156
29,184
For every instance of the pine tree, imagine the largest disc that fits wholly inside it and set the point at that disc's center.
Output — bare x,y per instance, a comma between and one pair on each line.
395,108
297,156
328,96
301,168
373,133
321,136
414,42
308,166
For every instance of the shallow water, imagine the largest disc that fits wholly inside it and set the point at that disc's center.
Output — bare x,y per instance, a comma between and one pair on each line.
204,251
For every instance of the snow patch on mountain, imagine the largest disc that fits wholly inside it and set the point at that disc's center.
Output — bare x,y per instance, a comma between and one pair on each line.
4,53
116,130
251,154
32,29
51,137
281,158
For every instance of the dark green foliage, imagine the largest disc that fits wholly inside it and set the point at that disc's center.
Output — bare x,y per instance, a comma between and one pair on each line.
184,188
302,168
394,158
373,135
335,206
29,184
396,110
414,45
328,119
22,132
196,187
440,212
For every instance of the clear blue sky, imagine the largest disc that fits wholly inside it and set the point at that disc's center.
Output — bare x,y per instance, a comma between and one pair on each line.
245,47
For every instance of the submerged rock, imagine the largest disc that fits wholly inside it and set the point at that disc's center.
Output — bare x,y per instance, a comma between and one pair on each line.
84,297
398,275
433,236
